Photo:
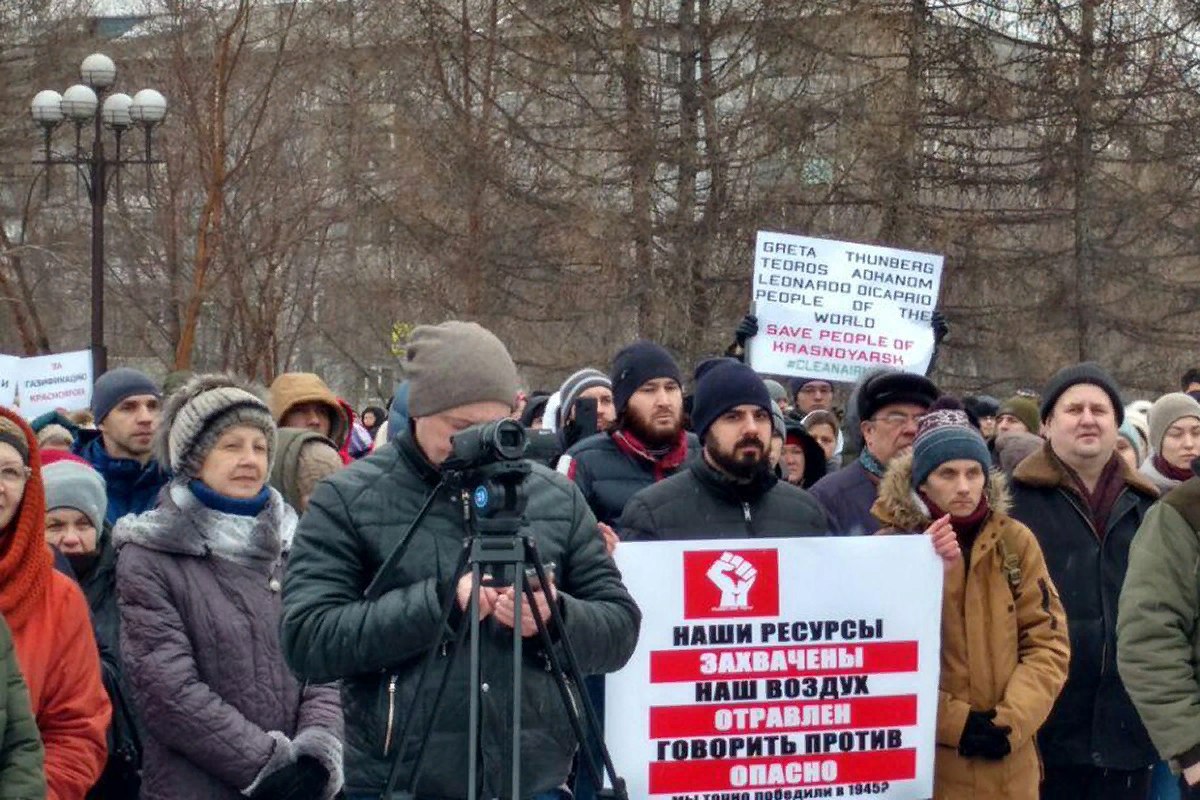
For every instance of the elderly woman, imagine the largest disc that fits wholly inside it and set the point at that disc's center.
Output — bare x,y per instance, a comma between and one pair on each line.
51,632
198,583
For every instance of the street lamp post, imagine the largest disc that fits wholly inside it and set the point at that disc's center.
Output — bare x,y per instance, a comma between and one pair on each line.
119,112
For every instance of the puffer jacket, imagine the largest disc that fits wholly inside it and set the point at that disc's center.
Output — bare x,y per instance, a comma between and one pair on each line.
1004,646
610,468
21,753
199,598
1158,640
354,520
704,503
1094,723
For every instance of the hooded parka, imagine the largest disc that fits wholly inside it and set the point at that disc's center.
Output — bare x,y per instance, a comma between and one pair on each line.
55,646
1004,642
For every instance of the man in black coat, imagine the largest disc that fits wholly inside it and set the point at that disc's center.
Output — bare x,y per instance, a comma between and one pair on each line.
1085,504
648,443
731,490
460,375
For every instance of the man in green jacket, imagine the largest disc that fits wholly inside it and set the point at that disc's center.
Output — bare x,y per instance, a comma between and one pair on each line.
459,375
21,754
1158,639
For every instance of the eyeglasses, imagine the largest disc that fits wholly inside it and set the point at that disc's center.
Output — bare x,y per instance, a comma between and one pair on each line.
14,476
898,418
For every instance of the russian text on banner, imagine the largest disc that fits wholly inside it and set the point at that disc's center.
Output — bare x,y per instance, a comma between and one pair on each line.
62,380
779,668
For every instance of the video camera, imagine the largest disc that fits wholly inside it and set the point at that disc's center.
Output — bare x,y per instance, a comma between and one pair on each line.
498,443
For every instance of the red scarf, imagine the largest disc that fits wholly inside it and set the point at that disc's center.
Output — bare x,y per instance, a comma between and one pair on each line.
25,559
965,528
1100,501
665,463
1168,470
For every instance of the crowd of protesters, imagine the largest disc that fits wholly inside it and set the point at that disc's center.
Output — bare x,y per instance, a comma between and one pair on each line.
197,601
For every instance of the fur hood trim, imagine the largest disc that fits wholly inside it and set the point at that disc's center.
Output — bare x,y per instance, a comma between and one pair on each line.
182,525
1042,470
899,506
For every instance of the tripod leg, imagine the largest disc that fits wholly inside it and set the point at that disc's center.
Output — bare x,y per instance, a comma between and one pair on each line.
473,714
572,668
430,658
518,664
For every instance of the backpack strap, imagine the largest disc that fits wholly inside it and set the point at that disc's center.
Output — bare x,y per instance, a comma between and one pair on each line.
1010,563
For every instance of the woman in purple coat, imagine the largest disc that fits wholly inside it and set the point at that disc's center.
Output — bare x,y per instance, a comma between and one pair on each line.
198,582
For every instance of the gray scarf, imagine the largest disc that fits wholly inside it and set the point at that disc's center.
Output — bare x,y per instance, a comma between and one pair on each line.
182,525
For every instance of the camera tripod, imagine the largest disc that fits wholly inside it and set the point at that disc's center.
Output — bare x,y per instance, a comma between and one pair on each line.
496,539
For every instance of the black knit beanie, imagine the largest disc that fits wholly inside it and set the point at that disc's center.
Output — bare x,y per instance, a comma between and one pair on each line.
640,362
726,384
1088,372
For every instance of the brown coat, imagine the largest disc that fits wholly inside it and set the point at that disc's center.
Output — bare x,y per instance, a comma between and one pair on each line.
1004,647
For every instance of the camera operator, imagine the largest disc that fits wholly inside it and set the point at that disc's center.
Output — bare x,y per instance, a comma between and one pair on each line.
460,375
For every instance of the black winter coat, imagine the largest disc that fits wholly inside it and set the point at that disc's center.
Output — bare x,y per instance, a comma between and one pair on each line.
609,475
1094,722
354,520
704,503
120,778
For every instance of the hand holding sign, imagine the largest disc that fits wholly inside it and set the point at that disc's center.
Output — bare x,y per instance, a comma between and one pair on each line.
734,576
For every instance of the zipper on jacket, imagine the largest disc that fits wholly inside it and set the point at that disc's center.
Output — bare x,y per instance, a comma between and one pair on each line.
749,519
391,721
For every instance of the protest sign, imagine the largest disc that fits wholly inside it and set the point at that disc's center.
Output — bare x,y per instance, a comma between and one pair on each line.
773,667
62,380
8,379
833,310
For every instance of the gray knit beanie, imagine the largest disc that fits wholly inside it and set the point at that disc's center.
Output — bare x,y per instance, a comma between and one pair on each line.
115,385
455,364
1166,411
72,484
197,414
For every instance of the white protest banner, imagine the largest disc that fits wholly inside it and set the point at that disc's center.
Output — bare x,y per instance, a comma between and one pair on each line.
62,380
772,667
832,310
9,366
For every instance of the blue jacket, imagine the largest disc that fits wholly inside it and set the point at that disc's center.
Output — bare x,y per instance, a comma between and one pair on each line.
132,488
847,496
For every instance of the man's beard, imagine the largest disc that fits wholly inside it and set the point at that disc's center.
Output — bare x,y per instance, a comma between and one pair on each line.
742,467
653,438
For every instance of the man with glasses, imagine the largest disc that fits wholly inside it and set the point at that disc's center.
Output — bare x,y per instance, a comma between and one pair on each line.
889,404
811,394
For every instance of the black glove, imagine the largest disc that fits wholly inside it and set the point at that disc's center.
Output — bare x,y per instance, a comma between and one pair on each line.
983,738
303,779
746,329
940,326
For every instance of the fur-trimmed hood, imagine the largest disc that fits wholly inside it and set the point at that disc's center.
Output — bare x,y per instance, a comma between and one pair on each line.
898,505
1044,471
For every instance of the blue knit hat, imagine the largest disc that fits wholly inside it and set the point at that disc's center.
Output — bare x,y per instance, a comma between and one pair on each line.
640,362
115,385
722,384
945,435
